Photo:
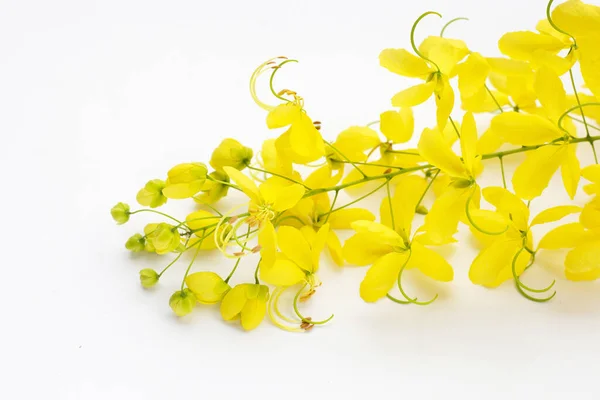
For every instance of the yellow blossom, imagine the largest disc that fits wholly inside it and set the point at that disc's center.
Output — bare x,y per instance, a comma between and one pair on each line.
246,301
185,180
151,195
231,153
208,287
163,238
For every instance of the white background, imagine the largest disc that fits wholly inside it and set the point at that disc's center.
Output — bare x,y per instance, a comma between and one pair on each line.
98,97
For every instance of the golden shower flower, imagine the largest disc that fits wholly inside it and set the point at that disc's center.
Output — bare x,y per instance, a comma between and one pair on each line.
135,243
151,195
248,302
162,238
182,302
208,287
231,153
185,180
214,188
120,213
149,277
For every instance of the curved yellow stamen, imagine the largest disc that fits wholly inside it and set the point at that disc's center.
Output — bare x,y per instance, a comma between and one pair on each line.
272,306
262,68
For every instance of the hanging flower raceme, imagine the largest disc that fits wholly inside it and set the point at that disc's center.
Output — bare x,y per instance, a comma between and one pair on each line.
300,189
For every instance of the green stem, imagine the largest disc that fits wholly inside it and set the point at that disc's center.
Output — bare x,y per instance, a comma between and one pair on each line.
389,197
237,262
175,260
256,280
279,175
187,271
412,38
231,185
581,121
347,159
337,192
374,164
302,317
157,212
427,189
273,76
549,17
359,199
501,159
406,296
468,213
494,98
519,285
454,126
391,175
587,130
450,22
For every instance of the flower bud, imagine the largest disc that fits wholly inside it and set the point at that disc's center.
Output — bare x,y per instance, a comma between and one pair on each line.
136,243
208,287
148,277
185,180
213,191
163,238
182,302
422,210
151,194
120,213
231,153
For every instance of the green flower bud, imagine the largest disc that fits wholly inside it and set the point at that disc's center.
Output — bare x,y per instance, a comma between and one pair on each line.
422,210
213,191
136,243
151,195
185,180
164,238
461,183
182,302
148,277
231,153
120,213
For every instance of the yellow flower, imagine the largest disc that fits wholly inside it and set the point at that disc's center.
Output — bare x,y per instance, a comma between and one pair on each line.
298,257
303,142
592,174
185,180
135,243
162,238
120,213
182,302
444,55
148,277
397,126
442,220
208,287
231,153
352,143
214,188
248,302
151,194
390,250
273,159
506,256
273,196
203,224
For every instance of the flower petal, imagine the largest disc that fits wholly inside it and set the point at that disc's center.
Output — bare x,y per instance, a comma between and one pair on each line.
430,263
524,129
364,249
436,151
493,265
564,237
414,95
583,262
401,62
397,126
382,275
344,218
533,175
244,182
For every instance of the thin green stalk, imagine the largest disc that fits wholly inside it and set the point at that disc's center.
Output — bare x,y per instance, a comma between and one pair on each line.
585,124
359,199
454,126
231,185
302,317
278,175
581,122
494,98
275,69
187,271
175,260
450,23
427,189
347,159
337,192
412,38
501,159
156,212
237,262
389,197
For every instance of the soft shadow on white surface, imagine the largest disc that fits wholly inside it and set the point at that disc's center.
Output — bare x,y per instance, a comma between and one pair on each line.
99,97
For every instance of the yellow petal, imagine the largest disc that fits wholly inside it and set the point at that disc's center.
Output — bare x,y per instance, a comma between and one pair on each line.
441,222
493,265
508,67
283,115
436,151
354,142
554,214
589,50
472,75
534,174
401,62
446,53
571,171
282,272
430,263
524,129
382,276
344,218
295,246
468,142
591,173
489,142
208,287
233,302
557,64
244,182
550,92
280,193
583,262
409,189
305,139
590,216
520,45
415,95
253,313
508,204
577,18
444,100
364,249
267,240
397,126
563,237
335,248
543,26
379,232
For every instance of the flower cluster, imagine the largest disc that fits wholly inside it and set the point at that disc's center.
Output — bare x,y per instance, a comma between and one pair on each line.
293,184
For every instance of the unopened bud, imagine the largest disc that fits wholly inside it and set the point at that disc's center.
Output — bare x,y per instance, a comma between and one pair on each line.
422,210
